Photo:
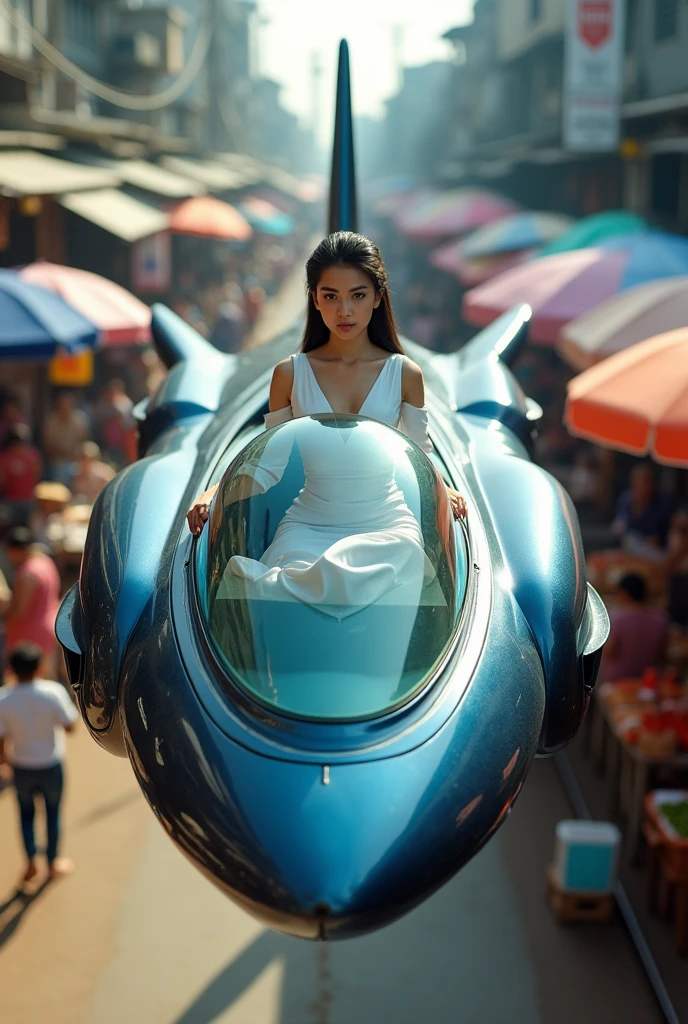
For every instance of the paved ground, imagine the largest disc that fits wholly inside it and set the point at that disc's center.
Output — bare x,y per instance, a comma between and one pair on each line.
136,935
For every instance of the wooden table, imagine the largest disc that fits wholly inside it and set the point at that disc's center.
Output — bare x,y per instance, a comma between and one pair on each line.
630,772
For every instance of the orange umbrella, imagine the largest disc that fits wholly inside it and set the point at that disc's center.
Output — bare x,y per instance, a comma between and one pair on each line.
637,400
210,218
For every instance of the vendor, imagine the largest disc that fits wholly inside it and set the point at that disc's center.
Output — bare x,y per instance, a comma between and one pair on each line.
643,514
638,634
90,474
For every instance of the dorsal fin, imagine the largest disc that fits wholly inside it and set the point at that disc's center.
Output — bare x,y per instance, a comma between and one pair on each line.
343,212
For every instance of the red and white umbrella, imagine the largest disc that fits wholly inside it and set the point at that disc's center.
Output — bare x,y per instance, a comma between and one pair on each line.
121,318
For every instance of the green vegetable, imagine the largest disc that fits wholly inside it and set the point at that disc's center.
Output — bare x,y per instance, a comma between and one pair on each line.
677,815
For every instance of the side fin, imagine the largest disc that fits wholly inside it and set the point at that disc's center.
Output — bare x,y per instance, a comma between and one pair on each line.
176,341
505,337
343,211
478,379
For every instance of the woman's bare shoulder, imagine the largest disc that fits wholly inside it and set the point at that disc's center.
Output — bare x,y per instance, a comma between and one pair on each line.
281,385
413,385
284,371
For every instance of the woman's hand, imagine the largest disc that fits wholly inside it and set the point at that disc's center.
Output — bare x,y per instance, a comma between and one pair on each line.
458,503
198,514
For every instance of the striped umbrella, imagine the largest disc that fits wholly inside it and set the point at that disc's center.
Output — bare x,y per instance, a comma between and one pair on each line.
561,287
452,259
37,324
524,230
624,320
121,318
453,213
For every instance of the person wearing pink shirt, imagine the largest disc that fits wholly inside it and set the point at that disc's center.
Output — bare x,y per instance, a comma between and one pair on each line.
638,634
35,598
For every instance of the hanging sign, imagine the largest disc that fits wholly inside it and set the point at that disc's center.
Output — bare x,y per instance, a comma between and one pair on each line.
593,74
76,371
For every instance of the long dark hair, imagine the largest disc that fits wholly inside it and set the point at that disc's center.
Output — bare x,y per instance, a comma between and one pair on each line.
348,249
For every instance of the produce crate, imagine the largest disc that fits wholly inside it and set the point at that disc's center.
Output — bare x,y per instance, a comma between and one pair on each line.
675,848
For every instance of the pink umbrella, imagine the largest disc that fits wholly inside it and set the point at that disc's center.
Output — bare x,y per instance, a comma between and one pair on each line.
454,212
474,270
121,318
561,287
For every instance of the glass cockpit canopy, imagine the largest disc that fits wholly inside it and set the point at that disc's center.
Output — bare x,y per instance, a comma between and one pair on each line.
331,574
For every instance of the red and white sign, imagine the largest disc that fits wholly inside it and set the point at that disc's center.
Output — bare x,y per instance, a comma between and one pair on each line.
593,74
595,21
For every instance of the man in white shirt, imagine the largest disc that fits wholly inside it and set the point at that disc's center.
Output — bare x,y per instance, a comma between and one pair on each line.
34,716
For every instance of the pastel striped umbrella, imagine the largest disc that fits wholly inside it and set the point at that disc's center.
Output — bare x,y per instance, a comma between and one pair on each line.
561,287
523,230
624,320
636,401
453,213
452,259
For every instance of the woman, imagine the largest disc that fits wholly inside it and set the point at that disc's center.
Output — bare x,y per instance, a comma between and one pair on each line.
351,361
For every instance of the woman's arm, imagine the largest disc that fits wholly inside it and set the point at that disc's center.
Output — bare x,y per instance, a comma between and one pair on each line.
280,398
413,393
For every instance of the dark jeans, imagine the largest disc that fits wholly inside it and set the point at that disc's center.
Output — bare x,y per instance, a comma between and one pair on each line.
47,783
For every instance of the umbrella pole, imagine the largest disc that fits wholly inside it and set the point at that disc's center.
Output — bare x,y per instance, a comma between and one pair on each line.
605,489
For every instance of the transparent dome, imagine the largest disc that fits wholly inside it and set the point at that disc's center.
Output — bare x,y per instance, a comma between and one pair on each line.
331,572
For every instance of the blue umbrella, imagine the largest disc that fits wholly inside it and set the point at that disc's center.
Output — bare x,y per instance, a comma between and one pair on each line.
265,217
650,255
523,230
34,322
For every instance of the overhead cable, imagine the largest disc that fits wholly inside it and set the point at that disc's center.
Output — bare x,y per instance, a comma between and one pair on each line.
117,97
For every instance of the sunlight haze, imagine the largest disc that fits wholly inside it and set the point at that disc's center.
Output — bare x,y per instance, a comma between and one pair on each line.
293,30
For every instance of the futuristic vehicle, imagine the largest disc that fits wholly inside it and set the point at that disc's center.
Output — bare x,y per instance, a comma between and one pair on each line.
330,757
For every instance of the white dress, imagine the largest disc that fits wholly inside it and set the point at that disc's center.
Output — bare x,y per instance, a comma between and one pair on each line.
349,538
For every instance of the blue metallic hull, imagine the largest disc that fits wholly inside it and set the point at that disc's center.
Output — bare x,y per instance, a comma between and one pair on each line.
327,829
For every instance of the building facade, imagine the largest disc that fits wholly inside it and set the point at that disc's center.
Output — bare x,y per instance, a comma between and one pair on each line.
511,68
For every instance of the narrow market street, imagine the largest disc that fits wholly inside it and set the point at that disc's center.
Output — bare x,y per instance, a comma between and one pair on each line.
136,934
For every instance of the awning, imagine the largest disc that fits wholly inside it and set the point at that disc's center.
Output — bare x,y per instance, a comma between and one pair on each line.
213,175
671,104
116,212
158,180
25,172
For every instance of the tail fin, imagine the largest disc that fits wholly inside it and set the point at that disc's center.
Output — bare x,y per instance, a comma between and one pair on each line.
343,212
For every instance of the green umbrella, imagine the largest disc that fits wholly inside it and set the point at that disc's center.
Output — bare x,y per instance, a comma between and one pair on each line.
594,229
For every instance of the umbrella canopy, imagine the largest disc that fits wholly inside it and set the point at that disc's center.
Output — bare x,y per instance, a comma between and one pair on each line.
561,287
524,230
210,218
121,318
265,217
453,260
636,401
35,323
453,213
622,321
595,229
